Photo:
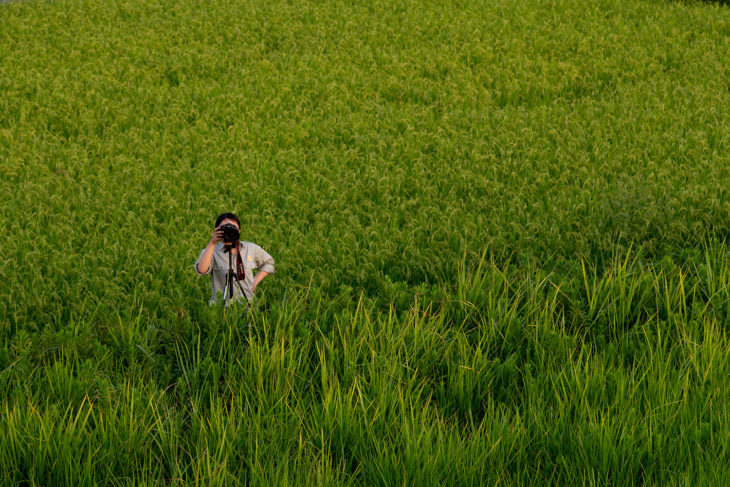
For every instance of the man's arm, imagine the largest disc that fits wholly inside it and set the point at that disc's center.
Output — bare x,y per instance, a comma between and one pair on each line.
260,275
203,264
265,264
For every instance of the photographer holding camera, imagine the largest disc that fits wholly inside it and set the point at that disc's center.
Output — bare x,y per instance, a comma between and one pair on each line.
226,253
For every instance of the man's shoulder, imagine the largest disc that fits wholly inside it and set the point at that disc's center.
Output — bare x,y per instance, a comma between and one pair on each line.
250,249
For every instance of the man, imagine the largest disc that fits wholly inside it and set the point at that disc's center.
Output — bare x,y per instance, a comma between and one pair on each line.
244,257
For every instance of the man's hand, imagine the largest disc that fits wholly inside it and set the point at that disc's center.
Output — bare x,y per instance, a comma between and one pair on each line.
217,236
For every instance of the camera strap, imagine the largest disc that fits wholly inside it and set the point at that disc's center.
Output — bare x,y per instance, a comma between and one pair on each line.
239,263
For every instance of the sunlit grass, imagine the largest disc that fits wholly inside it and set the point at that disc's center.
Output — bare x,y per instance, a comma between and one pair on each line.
454,391
499,230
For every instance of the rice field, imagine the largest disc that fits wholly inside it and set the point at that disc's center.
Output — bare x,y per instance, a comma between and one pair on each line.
500,231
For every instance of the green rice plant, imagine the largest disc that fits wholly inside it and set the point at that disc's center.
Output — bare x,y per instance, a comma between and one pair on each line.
499,231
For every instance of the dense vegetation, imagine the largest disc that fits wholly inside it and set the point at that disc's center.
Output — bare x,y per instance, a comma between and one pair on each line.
499,229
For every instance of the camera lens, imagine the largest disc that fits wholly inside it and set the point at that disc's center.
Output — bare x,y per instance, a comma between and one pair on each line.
230,233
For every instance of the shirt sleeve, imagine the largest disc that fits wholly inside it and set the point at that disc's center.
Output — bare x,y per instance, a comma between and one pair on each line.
264,262
195,266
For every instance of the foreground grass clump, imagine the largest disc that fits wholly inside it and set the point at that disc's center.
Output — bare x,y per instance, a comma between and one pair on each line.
490,383
375,150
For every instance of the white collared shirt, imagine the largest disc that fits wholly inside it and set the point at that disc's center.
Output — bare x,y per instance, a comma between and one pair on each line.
254,257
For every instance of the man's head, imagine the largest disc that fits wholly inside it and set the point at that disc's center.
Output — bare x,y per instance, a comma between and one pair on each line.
224,218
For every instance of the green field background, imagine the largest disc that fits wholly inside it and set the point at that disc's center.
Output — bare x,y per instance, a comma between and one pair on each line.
499,230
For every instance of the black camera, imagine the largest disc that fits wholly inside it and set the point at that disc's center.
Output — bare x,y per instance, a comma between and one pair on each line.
230,233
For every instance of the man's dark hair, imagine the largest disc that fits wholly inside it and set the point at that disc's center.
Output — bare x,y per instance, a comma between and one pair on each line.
227,216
